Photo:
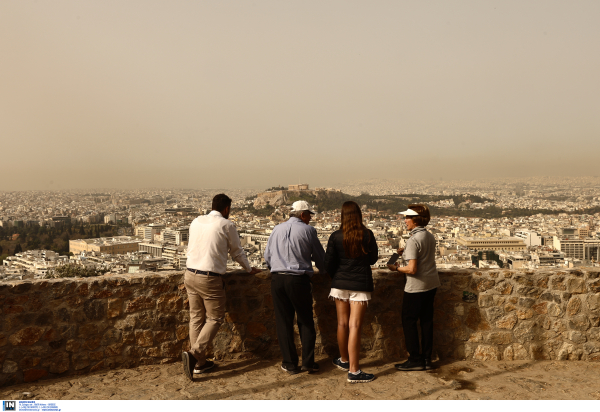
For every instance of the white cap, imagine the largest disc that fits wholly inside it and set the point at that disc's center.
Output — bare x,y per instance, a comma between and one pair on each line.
409,212
302,205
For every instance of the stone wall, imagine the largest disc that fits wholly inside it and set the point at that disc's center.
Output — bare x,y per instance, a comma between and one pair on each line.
52,328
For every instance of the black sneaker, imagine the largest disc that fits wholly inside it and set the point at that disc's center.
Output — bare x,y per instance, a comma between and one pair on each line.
411,366
314,368
207,365
429,365
188,364
289,370
340,364
360,377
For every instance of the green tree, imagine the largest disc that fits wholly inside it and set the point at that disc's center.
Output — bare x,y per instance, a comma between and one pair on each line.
74,271
18,249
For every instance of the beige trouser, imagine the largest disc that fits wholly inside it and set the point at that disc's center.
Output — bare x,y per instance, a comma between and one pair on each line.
206,295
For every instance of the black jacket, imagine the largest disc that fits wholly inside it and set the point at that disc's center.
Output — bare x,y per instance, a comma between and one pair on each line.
351,274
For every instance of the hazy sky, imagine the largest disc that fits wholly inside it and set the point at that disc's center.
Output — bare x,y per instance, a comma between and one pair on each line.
256,93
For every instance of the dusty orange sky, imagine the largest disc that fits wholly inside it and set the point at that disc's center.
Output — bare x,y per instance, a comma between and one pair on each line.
252,94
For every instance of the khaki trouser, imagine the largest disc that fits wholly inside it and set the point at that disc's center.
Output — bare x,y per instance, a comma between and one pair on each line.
206,295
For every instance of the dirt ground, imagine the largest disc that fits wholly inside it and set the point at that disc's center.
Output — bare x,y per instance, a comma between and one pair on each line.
263,379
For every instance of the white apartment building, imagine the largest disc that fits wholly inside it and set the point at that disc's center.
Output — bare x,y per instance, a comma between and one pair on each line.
529,237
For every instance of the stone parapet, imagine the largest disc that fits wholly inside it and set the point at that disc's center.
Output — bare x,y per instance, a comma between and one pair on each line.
61,327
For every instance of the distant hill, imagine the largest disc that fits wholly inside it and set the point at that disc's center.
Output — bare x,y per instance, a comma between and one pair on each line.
323,200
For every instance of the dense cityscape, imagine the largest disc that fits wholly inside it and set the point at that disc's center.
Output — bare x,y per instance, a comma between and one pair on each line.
519,223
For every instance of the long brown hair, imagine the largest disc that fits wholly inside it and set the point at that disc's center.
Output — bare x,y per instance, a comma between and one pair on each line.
353,229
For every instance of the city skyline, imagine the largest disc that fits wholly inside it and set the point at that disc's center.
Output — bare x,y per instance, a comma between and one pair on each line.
212,94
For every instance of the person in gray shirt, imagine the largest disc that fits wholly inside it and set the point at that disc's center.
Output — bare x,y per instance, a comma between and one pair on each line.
422,281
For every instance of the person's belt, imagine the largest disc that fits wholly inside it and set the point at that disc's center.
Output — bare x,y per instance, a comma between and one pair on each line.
203,272
288,273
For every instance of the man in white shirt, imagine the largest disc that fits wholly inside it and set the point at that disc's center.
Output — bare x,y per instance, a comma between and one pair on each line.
212,237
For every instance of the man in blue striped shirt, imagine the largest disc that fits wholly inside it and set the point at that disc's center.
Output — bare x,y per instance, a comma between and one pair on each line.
291,248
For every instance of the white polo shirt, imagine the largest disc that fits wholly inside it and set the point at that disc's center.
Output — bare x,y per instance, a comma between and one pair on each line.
212,237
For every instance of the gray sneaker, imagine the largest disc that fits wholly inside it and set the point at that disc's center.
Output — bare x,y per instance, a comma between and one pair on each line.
340,364
360,377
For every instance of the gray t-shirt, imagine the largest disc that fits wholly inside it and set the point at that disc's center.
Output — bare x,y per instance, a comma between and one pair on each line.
421,246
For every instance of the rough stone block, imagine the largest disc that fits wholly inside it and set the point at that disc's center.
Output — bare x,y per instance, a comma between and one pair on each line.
81,361
95,309
474,320
593,301
111,336
12,309
486,352
170,349
92,343
72,345
485,301
573,306
127,324
540,308
10,367
31,375
515,351
114,349
144,338
555,310
141,303
523,280
27,336
575,285
565,351
163,336
102,294
160,289
507,322
499,338
115,308
29,362
526,302
579,322
170,303
494,313
499,300
97,366
504,287
128,338
58,363
590,348
550,297
524,313
524,331
482,285
182,332
96,356
542,282
153,352
576,336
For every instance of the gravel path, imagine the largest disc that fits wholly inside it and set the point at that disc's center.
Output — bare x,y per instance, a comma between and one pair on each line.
263,379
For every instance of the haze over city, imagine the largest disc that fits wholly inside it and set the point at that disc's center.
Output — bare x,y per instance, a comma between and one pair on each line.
229,94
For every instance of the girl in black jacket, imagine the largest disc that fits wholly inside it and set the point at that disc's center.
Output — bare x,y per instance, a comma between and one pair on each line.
351,251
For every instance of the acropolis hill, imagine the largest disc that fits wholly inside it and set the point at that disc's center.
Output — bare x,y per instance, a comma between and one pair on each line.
65,327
